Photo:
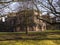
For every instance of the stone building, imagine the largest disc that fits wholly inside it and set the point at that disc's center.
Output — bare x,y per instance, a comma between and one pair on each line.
32,23
24,20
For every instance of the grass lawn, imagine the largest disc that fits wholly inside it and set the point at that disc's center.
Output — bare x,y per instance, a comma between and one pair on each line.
31,35
32,38
30,42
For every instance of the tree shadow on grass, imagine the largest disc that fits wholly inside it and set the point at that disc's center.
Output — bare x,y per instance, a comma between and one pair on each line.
40,36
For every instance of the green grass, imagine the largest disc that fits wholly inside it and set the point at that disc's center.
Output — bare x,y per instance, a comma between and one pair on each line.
49,34
46,31
30,42
49,37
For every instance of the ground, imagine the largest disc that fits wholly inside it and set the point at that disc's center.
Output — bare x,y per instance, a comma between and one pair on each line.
32,38
30,42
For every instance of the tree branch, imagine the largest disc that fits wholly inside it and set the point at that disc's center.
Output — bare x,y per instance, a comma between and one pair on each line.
53,8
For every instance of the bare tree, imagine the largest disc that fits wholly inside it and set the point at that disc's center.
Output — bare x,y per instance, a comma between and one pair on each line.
49,7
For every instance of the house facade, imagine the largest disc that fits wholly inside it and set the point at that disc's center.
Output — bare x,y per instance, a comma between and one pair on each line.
24,20
29,19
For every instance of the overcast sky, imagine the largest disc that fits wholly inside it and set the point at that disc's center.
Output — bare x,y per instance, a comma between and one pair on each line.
15,6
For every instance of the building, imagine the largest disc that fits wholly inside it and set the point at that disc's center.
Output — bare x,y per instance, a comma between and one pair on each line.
29,19
25,20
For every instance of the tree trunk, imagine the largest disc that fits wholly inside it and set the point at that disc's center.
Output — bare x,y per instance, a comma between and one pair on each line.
26,30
